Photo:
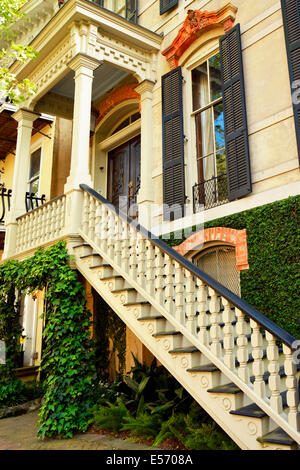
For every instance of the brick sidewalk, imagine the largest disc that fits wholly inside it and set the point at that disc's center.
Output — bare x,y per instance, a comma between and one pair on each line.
19,433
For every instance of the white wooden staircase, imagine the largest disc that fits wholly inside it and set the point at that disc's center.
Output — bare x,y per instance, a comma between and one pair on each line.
235,362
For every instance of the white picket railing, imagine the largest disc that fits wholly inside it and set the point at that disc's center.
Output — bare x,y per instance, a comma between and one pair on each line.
41,225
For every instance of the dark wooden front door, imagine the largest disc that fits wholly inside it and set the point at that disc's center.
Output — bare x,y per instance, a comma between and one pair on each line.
124,167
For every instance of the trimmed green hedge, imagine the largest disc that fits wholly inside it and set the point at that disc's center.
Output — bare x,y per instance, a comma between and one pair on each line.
272,282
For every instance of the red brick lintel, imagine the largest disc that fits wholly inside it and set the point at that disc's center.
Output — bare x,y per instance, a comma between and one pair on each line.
237,238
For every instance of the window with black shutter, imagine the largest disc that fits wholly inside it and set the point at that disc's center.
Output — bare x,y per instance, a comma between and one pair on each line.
166,5
132,10
291,22
235,117
173,145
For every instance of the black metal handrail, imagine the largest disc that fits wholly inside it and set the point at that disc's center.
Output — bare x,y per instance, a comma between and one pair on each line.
33,202
234,299
210,193
5,201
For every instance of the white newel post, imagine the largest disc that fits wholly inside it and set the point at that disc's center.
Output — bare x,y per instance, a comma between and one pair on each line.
145,196
79,172
20,180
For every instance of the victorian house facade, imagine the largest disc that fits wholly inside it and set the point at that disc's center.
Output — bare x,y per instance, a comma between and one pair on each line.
177,113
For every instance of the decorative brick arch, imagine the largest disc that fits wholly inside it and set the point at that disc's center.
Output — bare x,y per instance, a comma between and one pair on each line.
126,92
238,238
196,23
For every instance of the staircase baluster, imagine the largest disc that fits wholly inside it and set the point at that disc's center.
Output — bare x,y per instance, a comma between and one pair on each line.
215,330
132,253
92,210
292,388
118,246
85,219
141,260
111,234
179,294
257,354
190,303
169,283
150,275
53,220
242,343
97,223
42,224
125,246
103,233
159,280
48,223
201,295
273,368
228,339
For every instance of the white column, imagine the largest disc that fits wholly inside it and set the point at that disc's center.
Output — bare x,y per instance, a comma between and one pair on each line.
21,175
145,196
79,172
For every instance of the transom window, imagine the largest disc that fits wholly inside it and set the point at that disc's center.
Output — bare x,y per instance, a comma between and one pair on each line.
34,174
129,120
209,123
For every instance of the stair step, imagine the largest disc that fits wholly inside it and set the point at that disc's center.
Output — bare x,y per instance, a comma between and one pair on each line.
279,437
124,289
149,317
141,302
90,255
167,333
229,388
107,278
191,349
206,368
100,266
253,410
80,245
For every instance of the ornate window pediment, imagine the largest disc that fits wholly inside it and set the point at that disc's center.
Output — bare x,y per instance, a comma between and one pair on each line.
196,23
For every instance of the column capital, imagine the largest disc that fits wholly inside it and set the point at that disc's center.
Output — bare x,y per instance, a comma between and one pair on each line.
25,115
83,60
145,86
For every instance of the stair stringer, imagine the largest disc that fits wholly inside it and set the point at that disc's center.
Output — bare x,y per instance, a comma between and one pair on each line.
232,375
196,384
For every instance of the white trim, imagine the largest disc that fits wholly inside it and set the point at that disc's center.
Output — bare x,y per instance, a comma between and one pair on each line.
250,202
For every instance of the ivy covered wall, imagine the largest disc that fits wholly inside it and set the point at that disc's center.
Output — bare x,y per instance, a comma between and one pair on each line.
272,282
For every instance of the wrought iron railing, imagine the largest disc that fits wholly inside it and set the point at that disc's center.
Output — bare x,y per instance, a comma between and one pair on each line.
32,201
5,195
210,193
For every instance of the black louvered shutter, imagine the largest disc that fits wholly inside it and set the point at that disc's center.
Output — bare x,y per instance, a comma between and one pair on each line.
235,117
132,10
291,22
173,143
166,5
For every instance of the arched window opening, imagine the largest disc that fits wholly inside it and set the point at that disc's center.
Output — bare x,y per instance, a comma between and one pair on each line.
220,263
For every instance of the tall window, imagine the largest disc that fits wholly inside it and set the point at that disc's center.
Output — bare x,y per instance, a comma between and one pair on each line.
34,174
209,122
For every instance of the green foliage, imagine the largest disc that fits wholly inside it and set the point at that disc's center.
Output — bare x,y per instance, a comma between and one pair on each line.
273,279
14,392
143,424
16,91
142,405
111,416
68,356
172,428
207,436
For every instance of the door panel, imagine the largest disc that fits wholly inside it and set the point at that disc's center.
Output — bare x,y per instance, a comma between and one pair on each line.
124,174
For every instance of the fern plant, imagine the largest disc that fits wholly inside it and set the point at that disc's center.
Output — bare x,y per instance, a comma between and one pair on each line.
207,436
144,424
111,416
171,428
